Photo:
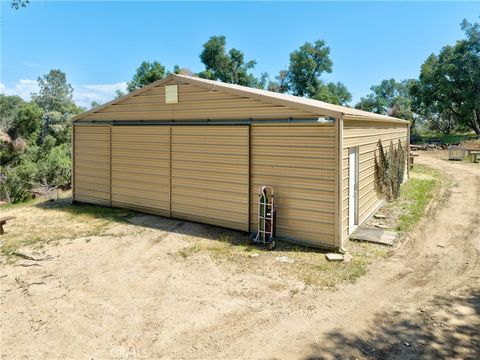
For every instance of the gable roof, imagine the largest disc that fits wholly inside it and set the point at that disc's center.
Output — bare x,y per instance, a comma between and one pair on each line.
297,102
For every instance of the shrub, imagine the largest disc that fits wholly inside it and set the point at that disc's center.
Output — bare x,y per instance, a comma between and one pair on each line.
389,169
16,182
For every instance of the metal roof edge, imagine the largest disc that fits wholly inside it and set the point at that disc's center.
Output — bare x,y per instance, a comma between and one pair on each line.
378,118
252,93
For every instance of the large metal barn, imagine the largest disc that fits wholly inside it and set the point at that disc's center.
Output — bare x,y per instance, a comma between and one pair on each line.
198,150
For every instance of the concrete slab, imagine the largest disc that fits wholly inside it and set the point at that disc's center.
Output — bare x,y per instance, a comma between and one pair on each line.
390,233
334,257
378,236
366,234
385,241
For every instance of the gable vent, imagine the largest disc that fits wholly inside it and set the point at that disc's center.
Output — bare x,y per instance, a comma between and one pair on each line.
171,94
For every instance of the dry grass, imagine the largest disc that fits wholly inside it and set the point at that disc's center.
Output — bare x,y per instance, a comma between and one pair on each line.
309,265
39,223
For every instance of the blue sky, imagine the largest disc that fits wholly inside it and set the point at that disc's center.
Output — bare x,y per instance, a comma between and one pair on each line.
100,44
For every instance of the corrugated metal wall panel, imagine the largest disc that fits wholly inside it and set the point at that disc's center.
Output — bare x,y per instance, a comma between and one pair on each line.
210,175
208,170
92,164
366,134
299,162
141,168
194,103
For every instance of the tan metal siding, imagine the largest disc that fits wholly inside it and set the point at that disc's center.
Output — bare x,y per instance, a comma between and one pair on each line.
141,168
92,164
366,134
210,175
194,103
299,162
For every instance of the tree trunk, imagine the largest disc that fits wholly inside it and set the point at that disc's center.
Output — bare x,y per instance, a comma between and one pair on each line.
475,123
46,121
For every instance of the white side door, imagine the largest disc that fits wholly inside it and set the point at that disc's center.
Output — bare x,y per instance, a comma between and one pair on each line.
352,188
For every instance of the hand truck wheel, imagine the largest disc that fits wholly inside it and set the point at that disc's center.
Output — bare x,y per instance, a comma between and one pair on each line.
272,244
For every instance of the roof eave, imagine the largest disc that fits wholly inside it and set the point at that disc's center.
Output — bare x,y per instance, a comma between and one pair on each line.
378,118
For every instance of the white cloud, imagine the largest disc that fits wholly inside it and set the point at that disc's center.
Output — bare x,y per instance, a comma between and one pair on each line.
22,88
82,94
101,93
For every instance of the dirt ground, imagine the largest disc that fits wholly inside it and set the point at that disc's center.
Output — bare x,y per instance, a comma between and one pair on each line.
136,294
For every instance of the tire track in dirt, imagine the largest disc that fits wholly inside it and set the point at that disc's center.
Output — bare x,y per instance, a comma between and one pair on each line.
127,295
441,255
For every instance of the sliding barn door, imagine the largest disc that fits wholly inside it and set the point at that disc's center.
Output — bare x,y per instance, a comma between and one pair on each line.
210,175
141,168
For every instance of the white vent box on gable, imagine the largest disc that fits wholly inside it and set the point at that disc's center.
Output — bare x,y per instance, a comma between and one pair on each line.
171,94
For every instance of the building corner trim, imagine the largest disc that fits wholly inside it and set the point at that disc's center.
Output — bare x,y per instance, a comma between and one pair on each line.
339,184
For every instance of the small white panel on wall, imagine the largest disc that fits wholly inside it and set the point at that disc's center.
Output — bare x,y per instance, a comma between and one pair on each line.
171,94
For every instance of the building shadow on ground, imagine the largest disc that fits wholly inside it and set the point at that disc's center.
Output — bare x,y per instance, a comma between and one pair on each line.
447,328
189,228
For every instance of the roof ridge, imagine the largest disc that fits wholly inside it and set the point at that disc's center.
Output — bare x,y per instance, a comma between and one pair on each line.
310,105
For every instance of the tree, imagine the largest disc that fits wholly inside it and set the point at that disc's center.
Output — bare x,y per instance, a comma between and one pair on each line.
35,138
280,84
119,93
27,123
55,93
17,4
333,93
227,67
9,106
182,71
306,66
384,97
146,73
95,104
55,97
390,98
448,88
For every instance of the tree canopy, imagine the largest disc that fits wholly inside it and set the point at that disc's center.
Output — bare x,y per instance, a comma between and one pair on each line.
146,73
333,93
448,89
229,67
55,93
391,98
307,64
17,4
35,138
303,76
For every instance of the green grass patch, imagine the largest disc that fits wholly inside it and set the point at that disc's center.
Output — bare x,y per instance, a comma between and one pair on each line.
415,195
309,265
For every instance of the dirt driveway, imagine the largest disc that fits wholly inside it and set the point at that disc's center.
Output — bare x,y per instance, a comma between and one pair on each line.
134,296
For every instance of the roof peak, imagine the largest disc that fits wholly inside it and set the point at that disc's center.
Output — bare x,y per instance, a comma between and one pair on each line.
311,105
